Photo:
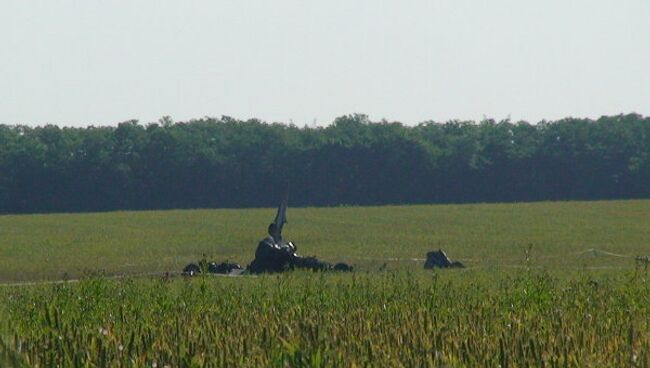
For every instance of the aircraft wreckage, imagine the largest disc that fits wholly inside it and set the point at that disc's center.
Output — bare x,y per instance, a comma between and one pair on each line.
273,254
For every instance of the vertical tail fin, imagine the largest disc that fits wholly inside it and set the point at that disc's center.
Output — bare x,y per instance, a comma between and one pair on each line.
281,216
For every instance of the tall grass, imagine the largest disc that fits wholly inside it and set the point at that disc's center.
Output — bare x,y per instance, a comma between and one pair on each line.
307,319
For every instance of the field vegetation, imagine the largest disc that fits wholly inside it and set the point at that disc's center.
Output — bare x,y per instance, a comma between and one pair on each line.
37,247
547,284
304,319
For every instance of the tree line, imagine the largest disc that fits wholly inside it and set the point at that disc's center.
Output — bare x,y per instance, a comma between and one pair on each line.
226,162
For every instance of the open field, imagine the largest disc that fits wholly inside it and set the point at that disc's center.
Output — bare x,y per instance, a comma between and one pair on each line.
562,306
36,247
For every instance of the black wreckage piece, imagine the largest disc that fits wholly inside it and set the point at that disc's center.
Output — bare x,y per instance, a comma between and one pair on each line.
274,254
271,258
223,268
439,259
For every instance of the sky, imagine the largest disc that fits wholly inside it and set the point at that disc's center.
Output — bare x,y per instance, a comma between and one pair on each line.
92,62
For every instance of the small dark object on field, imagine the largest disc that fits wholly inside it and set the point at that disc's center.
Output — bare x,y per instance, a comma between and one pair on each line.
310,263
191,269
343,267
440,259
223,267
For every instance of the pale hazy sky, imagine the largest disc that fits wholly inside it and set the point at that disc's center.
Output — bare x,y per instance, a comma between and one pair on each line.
101,62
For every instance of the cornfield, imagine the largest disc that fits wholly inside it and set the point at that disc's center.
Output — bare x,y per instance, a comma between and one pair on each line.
396,318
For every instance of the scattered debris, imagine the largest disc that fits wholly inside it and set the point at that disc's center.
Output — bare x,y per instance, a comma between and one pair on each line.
343,267
223,267
439,259
310,263
273,254
191,269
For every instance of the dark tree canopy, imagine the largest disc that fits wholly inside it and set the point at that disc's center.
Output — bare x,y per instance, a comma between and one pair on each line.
231,163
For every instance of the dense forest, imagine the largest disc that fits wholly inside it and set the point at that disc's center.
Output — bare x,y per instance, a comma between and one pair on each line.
231,163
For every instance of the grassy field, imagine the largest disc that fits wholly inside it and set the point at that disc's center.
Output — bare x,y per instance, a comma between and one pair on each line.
391,319
36,247
562,305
